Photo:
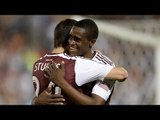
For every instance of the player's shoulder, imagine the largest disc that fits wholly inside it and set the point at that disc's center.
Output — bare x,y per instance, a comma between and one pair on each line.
82,59
97,52
68,57
102,58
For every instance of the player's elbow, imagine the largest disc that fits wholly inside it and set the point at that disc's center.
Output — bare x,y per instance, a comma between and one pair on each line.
117,73
123,74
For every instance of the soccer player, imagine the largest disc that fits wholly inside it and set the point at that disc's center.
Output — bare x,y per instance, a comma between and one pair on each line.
79,71
82,37
44,90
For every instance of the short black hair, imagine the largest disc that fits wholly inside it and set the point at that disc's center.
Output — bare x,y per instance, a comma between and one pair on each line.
91,28
61,33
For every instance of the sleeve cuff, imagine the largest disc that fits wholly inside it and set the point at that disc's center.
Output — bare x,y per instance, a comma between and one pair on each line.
101,90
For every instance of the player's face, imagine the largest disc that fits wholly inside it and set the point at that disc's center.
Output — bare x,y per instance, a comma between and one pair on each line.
78,44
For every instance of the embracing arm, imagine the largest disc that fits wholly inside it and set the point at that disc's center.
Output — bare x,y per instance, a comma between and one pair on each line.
117,73
78,97
57,75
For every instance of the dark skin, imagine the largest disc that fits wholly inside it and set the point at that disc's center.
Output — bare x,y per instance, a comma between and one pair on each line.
79,45
47,98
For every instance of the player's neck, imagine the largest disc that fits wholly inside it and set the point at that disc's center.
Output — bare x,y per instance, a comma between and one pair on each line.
58,50
89,55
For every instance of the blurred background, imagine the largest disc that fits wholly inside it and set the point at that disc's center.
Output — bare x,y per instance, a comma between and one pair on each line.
131,41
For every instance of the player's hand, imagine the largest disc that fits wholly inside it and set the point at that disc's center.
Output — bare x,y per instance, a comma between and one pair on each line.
54,73
46,98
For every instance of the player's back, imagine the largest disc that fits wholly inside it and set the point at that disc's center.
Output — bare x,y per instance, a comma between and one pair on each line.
38,69
41,82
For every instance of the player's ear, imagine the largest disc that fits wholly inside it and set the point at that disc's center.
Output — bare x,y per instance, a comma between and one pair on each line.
92,42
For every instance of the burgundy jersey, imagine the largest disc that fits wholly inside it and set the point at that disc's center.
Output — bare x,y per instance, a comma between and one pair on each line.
78,71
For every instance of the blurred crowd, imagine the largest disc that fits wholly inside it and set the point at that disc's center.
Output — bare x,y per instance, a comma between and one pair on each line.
139,88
